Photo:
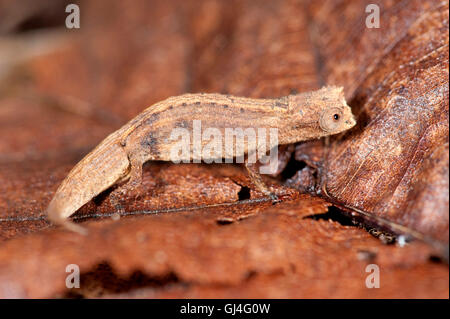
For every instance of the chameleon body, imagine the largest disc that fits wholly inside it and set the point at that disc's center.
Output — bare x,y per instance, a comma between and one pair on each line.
120,156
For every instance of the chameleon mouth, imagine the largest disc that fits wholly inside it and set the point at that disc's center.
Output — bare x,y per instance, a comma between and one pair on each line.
351,122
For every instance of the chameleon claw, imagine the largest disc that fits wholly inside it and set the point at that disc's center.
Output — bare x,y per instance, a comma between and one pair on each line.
119,209
275,199
115,203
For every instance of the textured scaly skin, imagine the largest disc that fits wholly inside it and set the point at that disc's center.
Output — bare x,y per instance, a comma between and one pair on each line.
120,156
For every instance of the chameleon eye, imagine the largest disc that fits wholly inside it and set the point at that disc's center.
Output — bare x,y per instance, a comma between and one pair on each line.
329,119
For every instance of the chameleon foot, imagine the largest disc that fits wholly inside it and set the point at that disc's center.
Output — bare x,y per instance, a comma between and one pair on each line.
275,199
118,209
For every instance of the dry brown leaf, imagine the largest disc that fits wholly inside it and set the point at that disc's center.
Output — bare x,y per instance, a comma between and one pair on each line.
395,164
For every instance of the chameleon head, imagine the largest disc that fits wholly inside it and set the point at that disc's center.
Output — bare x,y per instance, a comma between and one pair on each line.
321,113
336,116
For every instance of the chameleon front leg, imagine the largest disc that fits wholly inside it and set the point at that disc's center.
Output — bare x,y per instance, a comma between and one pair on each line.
257,180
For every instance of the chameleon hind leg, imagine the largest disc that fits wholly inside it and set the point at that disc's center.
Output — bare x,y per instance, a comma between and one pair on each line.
133,185
257,180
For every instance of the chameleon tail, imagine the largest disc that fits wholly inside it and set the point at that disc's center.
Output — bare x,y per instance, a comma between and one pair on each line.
54,216
96,172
